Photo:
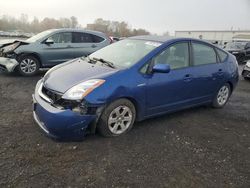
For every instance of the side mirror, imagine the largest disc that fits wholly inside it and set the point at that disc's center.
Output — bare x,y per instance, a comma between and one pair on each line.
49,41
161,68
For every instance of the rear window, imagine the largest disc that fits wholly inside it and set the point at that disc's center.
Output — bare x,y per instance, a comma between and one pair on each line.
222,55
79,37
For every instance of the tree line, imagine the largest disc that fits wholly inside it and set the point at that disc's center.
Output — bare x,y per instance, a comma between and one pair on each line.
112,28
8,23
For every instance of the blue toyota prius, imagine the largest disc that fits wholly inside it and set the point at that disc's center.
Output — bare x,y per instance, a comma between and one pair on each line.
131,80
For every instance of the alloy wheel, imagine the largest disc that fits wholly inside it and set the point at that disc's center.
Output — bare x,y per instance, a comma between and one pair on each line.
120,119
223,95
28,66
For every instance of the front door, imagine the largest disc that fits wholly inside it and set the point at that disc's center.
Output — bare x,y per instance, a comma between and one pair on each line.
60,51
170,91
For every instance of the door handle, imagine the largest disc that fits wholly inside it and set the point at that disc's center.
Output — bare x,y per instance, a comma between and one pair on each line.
220,72
93,46
69,46
188,78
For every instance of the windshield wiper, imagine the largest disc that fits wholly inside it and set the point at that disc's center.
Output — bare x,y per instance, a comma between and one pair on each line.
108,63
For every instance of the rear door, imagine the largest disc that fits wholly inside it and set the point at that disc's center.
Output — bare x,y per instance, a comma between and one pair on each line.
85,44
60,51
207,71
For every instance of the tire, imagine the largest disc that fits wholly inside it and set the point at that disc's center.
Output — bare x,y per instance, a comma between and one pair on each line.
246,78
222,96
28,66
117,119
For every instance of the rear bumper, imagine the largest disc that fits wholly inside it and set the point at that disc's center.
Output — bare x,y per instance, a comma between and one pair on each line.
7,64
59,123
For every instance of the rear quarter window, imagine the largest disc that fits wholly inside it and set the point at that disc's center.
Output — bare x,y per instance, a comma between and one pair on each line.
97,39
222,55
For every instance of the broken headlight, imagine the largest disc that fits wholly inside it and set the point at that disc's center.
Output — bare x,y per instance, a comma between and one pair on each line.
10,48
79,91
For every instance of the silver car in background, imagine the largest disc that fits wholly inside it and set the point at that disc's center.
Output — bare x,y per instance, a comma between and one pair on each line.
49,48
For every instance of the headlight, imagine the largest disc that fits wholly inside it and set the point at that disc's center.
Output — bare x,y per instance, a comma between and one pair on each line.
248,64
81,90
11,47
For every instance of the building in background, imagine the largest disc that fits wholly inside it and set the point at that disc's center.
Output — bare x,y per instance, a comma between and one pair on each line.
219,37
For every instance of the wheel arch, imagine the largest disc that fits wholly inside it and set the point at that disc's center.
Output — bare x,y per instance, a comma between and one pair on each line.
231,86
23,54
139,116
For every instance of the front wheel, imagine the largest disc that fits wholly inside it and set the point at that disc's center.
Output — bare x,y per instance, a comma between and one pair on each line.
117,119
222,96
28,66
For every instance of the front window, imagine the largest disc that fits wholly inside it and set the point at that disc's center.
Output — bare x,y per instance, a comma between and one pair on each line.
65,37
177,56
125,53
39,36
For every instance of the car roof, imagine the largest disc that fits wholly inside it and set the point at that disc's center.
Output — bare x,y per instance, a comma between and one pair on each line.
77,30
164,39
153,38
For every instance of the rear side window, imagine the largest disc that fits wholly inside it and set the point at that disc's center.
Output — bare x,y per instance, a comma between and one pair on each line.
222,55
203,54
79,37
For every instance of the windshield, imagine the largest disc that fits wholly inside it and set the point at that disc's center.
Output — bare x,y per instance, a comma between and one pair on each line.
235,45
125,53
39,36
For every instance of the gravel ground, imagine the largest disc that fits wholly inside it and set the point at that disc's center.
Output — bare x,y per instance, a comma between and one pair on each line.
199,147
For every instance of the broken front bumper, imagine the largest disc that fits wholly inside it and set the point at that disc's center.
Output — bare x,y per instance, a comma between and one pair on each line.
7,64
59,123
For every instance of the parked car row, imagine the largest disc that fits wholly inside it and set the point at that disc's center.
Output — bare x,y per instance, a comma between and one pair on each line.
49,48
108,87
15,33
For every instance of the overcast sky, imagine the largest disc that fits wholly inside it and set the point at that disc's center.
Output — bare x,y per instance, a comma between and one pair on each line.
157,16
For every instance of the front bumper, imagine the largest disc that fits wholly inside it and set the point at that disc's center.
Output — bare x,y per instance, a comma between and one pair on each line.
7,64
59,123
246,72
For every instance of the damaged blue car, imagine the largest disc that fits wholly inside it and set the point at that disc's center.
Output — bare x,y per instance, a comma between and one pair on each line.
132,80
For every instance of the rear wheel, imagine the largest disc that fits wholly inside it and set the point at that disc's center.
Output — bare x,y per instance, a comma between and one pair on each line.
222,96
117,119
28,66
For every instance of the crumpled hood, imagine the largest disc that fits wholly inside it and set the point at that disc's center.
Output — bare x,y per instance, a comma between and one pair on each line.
9,46
66,75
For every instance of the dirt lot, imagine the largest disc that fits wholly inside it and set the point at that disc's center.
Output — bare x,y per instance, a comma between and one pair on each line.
200,147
